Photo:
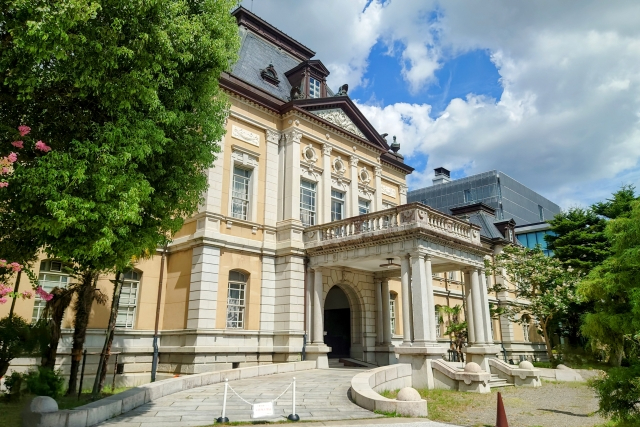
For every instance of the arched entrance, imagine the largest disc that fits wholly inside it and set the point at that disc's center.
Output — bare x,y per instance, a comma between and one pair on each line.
337,321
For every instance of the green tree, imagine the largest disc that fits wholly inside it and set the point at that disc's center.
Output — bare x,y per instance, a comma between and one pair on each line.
614,284
540,280
456,327
125,93
613,287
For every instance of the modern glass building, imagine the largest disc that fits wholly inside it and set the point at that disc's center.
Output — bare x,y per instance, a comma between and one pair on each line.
507,196
532,235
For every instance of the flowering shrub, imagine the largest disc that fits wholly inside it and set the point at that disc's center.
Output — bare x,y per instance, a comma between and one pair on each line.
6,162
8,268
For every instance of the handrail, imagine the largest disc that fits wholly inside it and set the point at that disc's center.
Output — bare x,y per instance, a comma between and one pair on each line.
393,219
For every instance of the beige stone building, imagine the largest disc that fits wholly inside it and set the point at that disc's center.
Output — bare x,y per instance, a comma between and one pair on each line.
304,247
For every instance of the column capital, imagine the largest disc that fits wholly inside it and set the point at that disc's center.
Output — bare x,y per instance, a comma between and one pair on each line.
293,135
377,171
272,136
326,149
353,161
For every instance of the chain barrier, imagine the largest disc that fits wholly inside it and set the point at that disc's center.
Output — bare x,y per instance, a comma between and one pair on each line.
292,417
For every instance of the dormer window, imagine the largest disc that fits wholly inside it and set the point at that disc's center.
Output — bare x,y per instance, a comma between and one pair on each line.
269,74
314,88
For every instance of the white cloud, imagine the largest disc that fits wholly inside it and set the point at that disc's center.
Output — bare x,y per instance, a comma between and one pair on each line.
568,121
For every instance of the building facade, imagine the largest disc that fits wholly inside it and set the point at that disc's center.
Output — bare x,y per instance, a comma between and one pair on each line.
305,245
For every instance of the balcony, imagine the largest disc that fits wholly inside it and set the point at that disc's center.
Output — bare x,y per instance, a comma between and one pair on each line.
410,220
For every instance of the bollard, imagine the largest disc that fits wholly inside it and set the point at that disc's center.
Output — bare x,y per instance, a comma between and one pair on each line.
223,418
293,416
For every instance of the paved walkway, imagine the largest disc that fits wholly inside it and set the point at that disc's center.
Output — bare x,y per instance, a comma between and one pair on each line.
321,395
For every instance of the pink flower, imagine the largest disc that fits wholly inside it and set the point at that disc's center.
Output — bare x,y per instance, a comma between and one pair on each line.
24,130
12,157
5,171
3,300
15,266
42,146
43,294
26,295
3,184
18,144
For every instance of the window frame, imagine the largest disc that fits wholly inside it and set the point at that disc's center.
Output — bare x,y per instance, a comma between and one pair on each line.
393,311
312,214
245,213
236,284
335,201
45,269
315,90
131,307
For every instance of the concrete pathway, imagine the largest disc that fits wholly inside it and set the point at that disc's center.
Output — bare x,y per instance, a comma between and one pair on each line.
321,395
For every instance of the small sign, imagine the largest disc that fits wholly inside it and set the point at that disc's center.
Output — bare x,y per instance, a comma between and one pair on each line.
262,410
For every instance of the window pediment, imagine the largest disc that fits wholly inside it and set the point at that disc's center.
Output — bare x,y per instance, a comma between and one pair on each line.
339,118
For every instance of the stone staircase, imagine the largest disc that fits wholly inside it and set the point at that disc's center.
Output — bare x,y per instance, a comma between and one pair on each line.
497,382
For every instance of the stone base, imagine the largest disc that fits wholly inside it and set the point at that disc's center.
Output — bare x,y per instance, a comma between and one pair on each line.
385,355
318,353
420,360
481,353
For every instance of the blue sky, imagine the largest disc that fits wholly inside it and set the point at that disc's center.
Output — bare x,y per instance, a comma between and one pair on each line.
547,92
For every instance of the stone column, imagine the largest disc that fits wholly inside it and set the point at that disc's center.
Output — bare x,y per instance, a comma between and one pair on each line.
271,180
469,304
485,307
406,307
309,293
431,303
318,332
379,321
353,198
378,183
478,319
324,210
291,182
268,293
386,314
203,288
420,303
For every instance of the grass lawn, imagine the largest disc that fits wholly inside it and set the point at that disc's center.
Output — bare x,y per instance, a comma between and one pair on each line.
11,410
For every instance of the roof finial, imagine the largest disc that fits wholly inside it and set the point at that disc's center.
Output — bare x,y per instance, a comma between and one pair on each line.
395,147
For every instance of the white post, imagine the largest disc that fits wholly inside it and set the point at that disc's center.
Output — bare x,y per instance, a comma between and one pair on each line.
223,418
477,307
293,416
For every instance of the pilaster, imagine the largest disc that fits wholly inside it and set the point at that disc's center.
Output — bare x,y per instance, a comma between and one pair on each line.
325,210
291,182
268,293
378,183
406,305
271,180
203,288
353,191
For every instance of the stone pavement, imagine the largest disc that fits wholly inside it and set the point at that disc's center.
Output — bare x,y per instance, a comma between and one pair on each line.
321,395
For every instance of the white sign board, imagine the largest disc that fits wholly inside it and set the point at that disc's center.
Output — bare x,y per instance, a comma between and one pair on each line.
262,410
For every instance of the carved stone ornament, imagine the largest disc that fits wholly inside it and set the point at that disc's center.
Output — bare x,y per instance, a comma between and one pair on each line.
293,135
406,216
339,183
245,135
309,154
340,119
364,176
309,172
388,191
273,136
338,166
326,150
403,190
353,161
378,170
244,159
270,75
365,192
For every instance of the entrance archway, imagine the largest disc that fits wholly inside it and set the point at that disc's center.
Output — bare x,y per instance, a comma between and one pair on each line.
337,321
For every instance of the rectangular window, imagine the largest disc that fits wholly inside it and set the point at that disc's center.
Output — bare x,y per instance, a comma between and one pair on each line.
314,88
541,213
337,205
438,326
467,196
240,193
364,206
128,300
235,305
50,277
392,311
452,275
307,203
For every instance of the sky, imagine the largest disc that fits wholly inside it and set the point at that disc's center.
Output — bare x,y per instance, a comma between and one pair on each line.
547,92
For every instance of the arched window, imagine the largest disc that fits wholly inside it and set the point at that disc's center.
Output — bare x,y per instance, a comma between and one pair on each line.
236,299
51,276
393,297
438,325
526,325
128,300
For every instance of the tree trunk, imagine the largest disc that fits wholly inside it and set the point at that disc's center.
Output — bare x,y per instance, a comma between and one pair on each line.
101,375
55,312
615,355
547,341
86,295
13,302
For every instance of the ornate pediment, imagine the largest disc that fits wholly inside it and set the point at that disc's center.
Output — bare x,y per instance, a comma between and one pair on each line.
338,117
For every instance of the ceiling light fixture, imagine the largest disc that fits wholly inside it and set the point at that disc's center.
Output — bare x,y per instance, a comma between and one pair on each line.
390,263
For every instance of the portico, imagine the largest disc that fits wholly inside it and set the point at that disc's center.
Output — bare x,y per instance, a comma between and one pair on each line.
410,242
